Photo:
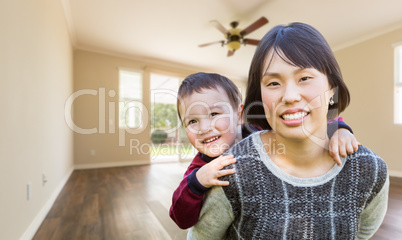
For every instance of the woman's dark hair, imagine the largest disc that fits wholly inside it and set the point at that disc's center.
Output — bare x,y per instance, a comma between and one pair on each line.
198,81
300,45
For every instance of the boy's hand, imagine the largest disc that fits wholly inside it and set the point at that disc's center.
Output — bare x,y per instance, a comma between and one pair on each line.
208,174
342,143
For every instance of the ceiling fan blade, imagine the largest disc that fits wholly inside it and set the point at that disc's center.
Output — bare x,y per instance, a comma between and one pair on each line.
211,43
219,26
248,41
230,53
254,26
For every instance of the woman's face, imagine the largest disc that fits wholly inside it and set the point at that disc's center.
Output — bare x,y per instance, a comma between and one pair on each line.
295,99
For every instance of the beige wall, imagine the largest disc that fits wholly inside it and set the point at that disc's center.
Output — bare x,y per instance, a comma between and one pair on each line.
36,79
95,71
368,69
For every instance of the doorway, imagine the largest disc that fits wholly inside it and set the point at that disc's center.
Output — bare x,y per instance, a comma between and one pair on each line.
168,138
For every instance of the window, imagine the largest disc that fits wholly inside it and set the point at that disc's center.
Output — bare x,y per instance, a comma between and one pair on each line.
175,146
130,99
398,85
163,102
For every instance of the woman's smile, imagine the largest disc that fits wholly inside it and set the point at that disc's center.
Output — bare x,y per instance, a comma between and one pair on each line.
294,117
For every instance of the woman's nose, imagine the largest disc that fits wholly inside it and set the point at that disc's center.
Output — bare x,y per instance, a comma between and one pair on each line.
291,94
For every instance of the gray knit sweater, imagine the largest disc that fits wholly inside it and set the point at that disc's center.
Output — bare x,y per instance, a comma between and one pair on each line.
264,202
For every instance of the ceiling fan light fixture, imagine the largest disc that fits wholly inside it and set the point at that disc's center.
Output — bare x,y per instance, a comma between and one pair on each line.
233,45
234,39
235,36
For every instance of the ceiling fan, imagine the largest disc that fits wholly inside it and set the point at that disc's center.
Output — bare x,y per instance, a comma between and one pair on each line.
235,36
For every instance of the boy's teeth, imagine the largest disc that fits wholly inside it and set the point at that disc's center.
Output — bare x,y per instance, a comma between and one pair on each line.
294,116
211,139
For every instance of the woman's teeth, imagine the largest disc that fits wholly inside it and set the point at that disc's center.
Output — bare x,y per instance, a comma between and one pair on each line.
294,116
211,139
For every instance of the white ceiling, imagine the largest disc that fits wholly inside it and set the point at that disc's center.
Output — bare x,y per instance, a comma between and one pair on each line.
170,30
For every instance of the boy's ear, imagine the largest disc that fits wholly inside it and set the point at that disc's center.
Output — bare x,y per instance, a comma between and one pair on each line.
240,114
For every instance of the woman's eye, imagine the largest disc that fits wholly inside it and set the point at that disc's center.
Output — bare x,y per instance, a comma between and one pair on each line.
305,78
214,114
191,122
272,84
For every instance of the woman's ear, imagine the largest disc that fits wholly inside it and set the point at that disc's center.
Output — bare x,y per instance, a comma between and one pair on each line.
329,96
240,114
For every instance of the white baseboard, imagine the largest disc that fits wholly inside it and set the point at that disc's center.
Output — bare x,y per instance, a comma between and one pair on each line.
394,173
37,221
35,224
110,164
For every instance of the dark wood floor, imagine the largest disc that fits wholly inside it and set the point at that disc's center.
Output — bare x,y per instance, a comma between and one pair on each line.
133,202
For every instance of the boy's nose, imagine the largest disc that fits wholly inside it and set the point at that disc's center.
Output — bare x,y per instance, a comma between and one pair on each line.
205,127
205,131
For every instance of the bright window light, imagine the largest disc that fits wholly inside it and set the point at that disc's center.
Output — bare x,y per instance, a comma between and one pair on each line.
130,99
398,85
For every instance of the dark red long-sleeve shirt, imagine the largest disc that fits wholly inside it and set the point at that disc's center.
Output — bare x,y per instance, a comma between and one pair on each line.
187,198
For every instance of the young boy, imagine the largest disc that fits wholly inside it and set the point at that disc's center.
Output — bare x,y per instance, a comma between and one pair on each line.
210,108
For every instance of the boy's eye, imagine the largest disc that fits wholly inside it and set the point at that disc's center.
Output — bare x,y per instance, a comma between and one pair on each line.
191,122
214,114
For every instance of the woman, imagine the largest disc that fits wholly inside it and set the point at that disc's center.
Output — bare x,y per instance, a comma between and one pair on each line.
286,185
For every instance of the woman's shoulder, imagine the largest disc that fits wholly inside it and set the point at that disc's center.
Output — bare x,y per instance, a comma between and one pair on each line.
369,169
367,163
369,157
246,144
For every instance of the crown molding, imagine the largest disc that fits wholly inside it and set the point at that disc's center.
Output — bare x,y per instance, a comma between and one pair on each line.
69,20
367,37
155,63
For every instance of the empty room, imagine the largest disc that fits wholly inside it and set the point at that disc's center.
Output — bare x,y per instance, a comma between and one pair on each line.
98,142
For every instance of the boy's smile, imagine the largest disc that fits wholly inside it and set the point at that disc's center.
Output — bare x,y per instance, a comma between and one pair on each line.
210,121
210,139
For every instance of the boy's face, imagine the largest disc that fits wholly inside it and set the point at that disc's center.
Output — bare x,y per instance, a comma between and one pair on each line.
210,121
